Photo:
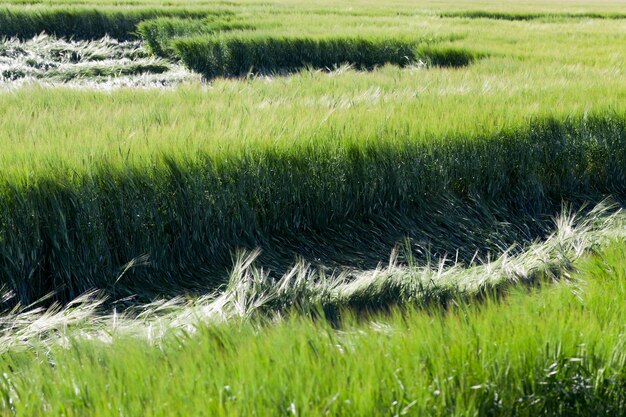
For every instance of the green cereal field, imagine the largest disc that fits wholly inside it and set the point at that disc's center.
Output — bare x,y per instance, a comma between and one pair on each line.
282,207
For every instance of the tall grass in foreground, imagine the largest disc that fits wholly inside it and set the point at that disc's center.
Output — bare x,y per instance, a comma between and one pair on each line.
241,53
557,351
188,216
253,293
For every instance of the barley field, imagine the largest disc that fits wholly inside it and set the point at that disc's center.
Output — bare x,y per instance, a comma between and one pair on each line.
206,206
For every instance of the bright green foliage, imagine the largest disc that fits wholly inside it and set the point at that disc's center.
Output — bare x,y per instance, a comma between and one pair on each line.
87,23
553,351
336,167
72,235
447,56
236,55
159,33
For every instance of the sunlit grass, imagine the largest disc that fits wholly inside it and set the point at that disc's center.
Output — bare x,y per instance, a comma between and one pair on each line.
534,69
555,350
188,176
486,307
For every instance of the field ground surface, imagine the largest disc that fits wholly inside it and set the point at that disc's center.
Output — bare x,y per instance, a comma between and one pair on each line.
424,197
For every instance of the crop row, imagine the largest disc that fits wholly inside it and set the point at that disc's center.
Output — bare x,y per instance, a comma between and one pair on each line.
197,37
238,54
89,23
233,48
159,33
189,216
521,16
